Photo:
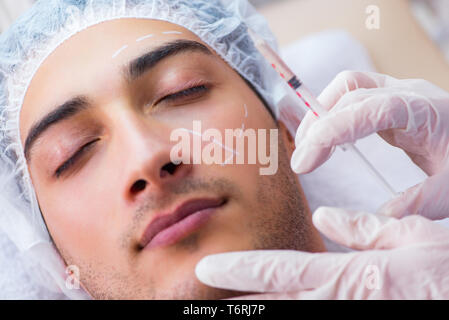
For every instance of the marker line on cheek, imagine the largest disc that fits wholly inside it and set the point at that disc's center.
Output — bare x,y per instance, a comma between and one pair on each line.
243,123
234,152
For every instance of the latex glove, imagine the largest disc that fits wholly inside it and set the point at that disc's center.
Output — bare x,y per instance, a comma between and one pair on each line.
410,114
404,259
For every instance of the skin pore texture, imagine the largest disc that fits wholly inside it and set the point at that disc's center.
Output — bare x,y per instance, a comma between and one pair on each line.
97,209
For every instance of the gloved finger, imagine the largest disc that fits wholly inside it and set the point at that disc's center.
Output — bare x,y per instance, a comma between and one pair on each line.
347,81
304,126
299,157
306,160
363,231
374,113
273,270
429,199
342,85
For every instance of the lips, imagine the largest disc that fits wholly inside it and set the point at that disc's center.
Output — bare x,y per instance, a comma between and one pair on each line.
168,228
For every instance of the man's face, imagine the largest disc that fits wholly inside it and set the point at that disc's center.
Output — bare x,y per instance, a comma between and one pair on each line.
101,168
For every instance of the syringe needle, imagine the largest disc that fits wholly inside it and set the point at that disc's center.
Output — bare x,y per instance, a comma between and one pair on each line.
376,174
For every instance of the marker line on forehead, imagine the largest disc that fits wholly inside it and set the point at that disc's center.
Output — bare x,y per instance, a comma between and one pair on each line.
145,37
119,51
171,32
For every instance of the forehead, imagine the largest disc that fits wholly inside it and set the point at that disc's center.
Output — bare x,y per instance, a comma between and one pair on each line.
92,61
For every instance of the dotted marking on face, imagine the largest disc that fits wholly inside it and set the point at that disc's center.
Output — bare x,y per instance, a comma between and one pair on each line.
246,116
119,51
171,32
145,37
234,152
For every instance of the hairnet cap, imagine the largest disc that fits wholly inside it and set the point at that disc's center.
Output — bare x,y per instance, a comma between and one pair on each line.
222,24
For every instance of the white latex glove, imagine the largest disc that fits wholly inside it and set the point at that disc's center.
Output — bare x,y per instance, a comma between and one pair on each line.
410,114
404,259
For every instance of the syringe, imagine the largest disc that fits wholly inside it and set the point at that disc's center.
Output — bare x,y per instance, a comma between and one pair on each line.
311,102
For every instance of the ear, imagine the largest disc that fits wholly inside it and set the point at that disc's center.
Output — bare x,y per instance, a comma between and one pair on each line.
288,139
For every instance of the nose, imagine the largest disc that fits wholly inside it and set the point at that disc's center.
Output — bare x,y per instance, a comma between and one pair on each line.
147,164
168,173
154,173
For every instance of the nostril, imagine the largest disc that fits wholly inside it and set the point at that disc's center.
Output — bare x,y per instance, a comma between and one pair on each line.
138,186
169,168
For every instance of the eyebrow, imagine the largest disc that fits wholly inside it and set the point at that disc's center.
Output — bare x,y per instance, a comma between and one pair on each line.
67,110
149,60
135,69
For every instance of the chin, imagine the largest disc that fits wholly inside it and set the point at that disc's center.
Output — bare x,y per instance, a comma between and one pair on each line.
194,290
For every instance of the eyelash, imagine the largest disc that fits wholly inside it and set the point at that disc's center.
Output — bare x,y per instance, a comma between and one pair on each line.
171,97
184,93
74,158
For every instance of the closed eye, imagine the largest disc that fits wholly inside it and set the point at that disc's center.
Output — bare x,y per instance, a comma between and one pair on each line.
74,158
184,96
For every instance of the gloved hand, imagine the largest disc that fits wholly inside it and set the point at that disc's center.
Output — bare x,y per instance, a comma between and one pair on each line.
410,114
403,259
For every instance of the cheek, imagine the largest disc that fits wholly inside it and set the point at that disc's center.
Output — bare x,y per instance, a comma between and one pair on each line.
78,219
234,109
